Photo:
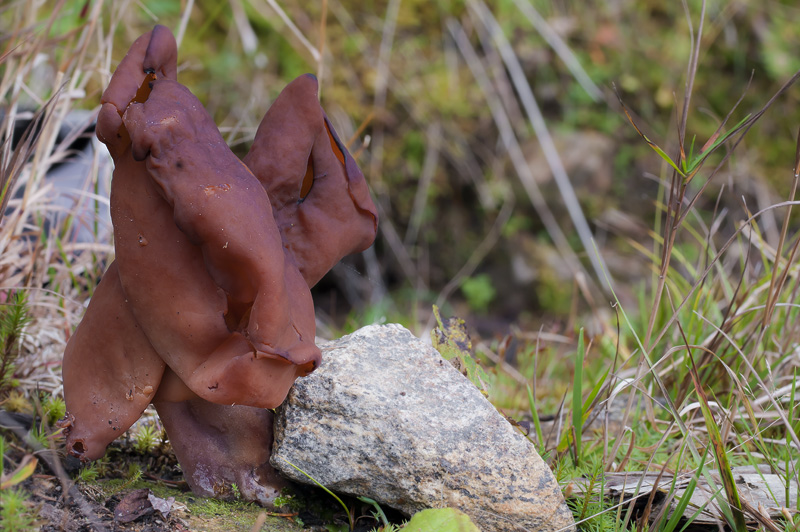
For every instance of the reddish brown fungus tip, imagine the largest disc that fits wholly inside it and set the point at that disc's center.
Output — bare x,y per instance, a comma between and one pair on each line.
162,52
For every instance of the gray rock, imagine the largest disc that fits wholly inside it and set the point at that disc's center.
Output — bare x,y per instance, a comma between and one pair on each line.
385,416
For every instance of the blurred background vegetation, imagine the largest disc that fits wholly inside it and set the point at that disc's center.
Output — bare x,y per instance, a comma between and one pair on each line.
395,80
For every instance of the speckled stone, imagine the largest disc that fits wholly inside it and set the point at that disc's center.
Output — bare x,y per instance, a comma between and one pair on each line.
385,416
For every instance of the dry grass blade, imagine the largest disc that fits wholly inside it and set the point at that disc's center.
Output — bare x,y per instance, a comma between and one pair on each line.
536,119
187,12
259,522
760,518
561,48
263,6
12,166
511,144
640,526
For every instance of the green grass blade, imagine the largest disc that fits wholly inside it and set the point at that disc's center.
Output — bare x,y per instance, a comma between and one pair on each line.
577,396
535,414
684,501
593,394
664,156
708,150
329,492
378,509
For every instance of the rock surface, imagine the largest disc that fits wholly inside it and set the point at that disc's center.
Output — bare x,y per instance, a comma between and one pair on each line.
385,416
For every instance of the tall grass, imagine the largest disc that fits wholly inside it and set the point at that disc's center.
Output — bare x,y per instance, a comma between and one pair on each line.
713,362
50,64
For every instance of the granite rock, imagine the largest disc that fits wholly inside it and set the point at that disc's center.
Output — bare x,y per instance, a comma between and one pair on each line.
385,416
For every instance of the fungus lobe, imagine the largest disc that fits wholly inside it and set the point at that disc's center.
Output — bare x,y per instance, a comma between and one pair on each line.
319,196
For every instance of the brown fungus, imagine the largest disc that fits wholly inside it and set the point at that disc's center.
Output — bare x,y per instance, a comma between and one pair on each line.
208,304
266,333
221,445
110,371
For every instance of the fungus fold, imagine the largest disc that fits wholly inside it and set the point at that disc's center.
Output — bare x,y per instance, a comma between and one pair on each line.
206,310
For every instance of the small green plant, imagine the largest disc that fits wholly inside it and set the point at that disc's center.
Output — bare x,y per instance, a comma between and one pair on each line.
287,499
15,514
132,477
13,319
134,473
146,439
54,408
88,473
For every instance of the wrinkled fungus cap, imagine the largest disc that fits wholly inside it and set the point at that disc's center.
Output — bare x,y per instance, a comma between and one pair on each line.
154,55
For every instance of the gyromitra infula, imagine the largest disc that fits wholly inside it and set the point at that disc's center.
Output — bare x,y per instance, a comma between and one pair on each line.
206,311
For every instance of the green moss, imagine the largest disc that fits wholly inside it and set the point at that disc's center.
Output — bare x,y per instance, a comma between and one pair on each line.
211,515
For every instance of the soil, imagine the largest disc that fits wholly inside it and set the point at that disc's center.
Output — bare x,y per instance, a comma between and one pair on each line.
136,491
90,508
